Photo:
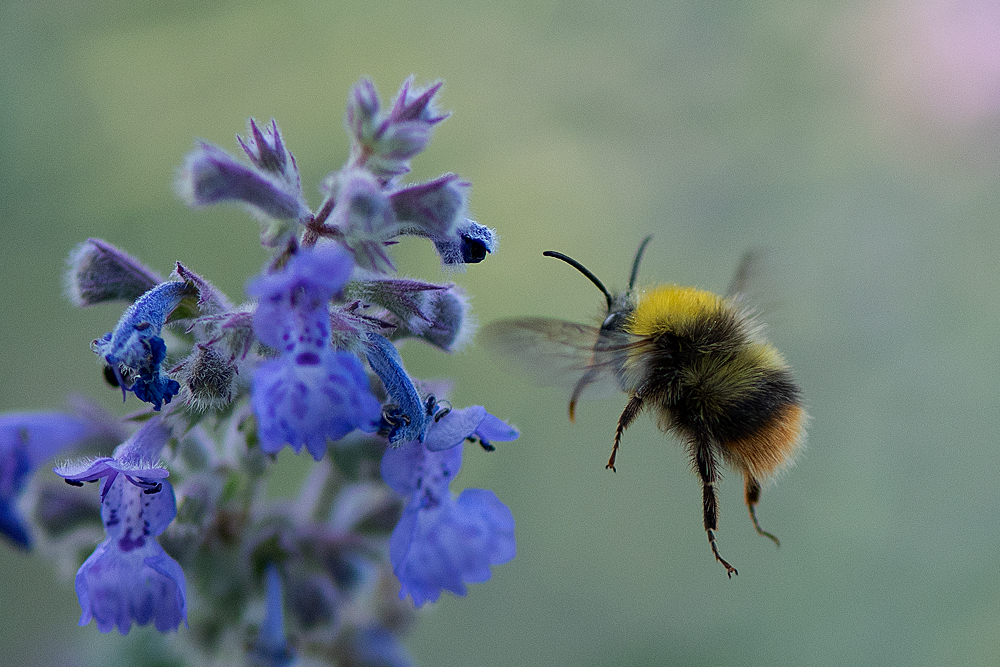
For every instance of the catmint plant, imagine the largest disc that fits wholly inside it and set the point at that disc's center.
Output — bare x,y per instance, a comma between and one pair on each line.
181,531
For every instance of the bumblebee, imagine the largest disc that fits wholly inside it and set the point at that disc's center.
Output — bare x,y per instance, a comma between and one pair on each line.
696,360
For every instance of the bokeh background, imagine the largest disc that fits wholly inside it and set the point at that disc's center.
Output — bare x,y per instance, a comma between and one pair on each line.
859,141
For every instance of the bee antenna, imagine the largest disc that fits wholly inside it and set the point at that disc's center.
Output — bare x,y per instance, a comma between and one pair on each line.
585,271
638,258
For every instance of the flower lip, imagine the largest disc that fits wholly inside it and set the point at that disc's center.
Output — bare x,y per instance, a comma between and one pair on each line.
137,459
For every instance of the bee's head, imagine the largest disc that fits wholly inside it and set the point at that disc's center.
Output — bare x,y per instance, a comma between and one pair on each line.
620,305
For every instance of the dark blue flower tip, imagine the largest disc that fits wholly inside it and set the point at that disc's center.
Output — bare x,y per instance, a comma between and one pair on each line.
473,243
98,272
155,389
408,419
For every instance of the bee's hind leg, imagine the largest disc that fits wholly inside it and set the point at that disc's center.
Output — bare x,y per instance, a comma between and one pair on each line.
704,459
752,489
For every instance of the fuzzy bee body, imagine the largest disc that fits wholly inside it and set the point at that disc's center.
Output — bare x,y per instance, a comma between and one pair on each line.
698,361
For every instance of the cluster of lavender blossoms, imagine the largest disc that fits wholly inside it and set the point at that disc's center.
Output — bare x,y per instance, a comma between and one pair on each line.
190,535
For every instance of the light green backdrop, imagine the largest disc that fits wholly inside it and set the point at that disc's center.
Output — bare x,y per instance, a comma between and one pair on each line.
853,139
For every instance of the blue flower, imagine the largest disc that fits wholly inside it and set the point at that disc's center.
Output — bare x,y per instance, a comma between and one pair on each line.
271,648
409,418
310,393
136,346
293,314
442,542
311,398
26,441
452,427
376,645
137,459
129,577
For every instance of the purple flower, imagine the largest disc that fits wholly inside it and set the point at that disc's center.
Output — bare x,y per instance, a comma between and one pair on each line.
453,427
431,209
437,314
271,648
129,577
211,175
26,441
310,393
267,151
311,398
135,345
364,218
442,542
293,314
409,418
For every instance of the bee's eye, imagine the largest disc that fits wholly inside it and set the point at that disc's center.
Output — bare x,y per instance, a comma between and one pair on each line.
614,322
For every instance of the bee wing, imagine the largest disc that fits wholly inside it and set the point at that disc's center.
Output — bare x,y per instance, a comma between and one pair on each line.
754,289
747,270
556,353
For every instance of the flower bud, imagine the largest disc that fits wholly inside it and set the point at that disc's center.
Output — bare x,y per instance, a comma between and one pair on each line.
99,272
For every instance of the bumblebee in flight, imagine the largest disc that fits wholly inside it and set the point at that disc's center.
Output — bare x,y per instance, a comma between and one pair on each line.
696,360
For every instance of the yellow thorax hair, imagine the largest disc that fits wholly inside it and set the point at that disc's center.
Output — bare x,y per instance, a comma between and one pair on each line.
671,307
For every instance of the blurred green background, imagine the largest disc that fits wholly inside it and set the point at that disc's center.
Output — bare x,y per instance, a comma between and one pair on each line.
859,141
